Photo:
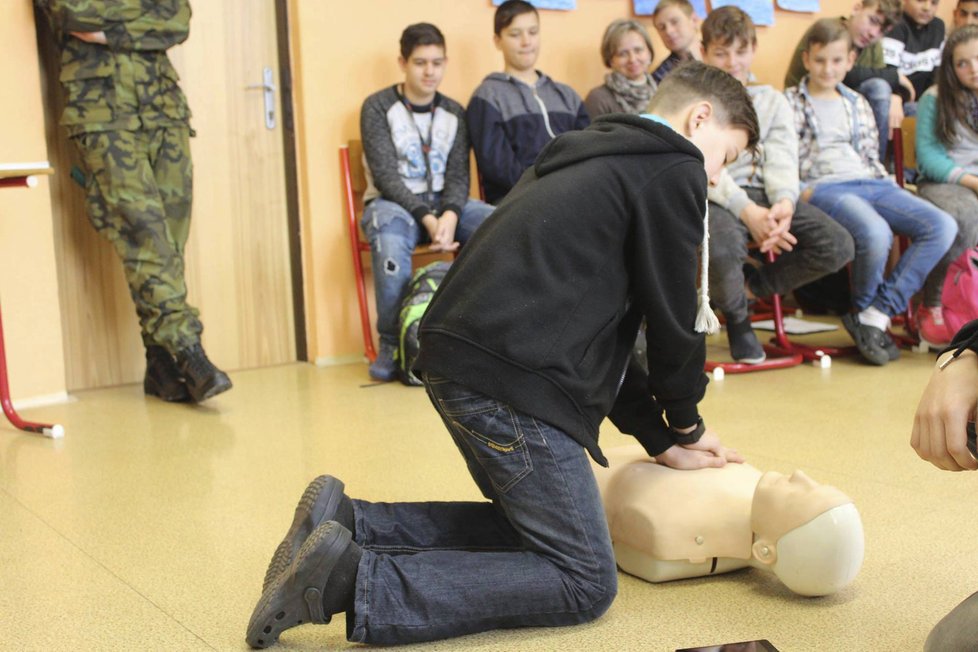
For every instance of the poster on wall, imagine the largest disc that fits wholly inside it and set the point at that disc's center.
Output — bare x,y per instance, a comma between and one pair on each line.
760,11
563,5
646,7
800,5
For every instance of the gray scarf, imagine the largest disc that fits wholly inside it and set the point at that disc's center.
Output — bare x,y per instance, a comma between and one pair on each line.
632,98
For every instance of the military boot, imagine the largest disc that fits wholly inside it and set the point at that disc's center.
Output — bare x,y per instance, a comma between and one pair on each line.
162,376
202,378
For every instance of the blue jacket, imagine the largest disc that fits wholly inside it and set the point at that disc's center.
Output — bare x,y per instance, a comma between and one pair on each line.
508,126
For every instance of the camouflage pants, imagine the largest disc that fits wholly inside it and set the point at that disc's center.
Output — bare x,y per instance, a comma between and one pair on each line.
139,191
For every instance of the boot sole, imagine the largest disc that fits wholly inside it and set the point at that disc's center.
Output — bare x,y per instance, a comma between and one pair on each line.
150,388
319,502
296,597
219,386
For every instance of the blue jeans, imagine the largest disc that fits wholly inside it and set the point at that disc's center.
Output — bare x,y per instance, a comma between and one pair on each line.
538,555
878,93
393,234
872,210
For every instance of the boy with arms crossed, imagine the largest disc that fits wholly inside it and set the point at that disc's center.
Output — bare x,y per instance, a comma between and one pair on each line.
914,45
523,353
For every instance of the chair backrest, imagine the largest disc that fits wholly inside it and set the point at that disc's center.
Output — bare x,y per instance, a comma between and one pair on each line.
909,131
352,159
354,185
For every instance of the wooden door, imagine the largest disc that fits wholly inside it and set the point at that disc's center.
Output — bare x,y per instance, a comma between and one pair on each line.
239,270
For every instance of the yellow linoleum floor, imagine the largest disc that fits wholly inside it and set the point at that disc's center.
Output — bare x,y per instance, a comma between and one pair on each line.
149,526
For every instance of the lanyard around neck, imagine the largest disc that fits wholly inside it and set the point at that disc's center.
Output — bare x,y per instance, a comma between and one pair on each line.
425,140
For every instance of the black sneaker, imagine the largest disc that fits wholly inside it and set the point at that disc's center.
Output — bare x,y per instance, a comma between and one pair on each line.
744,346
870,340
202,378
162,377
323,500
892,350
321,582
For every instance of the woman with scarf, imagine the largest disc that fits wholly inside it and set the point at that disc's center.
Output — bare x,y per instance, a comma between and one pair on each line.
627,50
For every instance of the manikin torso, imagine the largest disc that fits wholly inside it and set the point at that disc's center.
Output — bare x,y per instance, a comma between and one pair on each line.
668,524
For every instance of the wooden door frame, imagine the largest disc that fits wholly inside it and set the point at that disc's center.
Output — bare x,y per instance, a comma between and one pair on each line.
291,176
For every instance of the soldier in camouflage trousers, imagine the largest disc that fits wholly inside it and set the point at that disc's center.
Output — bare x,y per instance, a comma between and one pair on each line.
129,120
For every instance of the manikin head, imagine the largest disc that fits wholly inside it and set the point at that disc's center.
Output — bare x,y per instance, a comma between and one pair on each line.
808,534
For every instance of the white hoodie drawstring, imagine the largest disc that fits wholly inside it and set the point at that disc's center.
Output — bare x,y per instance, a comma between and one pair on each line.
706,320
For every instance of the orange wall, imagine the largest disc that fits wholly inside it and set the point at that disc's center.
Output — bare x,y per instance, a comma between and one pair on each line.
343,51
28,276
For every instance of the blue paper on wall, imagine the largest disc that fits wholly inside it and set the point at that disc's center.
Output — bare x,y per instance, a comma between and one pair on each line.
760,11
646,7
564,5
799,5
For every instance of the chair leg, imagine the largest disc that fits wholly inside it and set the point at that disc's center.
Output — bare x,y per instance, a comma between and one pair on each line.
368,339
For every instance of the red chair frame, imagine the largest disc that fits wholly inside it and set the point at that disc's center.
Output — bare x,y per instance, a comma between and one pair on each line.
354,184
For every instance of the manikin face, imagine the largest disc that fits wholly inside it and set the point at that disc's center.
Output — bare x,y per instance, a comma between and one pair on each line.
520,42
920,11
965,60
632,57
783,503
734,58
827,64
721,144
866,25
423,71
966,14
677,30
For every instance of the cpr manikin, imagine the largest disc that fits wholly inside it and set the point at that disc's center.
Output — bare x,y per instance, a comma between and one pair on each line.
668,524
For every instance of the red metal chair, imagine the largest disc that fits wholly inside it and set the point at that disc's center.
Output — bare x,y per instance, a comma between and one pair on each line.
780,351
354,185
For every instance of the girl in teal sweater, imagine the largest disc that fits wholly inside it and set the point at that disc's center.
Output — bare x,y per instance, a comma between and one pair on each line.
947,156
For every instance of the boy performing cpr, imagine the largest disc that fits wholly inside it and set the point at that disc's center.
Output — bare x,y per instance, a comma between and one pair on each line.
524,352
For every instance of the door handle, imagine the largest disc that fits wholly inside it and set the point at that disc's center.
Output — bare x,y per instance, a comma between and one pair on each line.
268,90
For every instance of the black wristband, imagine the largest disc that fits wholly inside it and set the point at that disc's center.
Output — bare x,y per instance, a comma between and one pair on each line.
684,438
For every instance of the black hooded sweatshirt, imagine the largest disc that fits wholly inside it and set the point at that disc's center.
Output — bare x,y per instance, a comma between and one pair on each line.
542,307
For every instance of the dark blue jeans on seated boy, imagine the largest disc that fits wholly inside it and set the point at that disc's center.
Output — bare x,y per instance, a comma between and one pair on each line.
539,554
823,247
872,210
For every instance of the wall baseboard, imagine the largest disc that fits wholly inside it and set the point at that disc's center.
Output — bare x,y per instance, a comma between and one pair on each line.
336,360
41,401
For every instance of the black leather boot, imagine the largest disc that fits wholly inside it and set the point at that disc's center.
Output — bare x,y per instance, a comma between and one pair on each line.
202,378
162,376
